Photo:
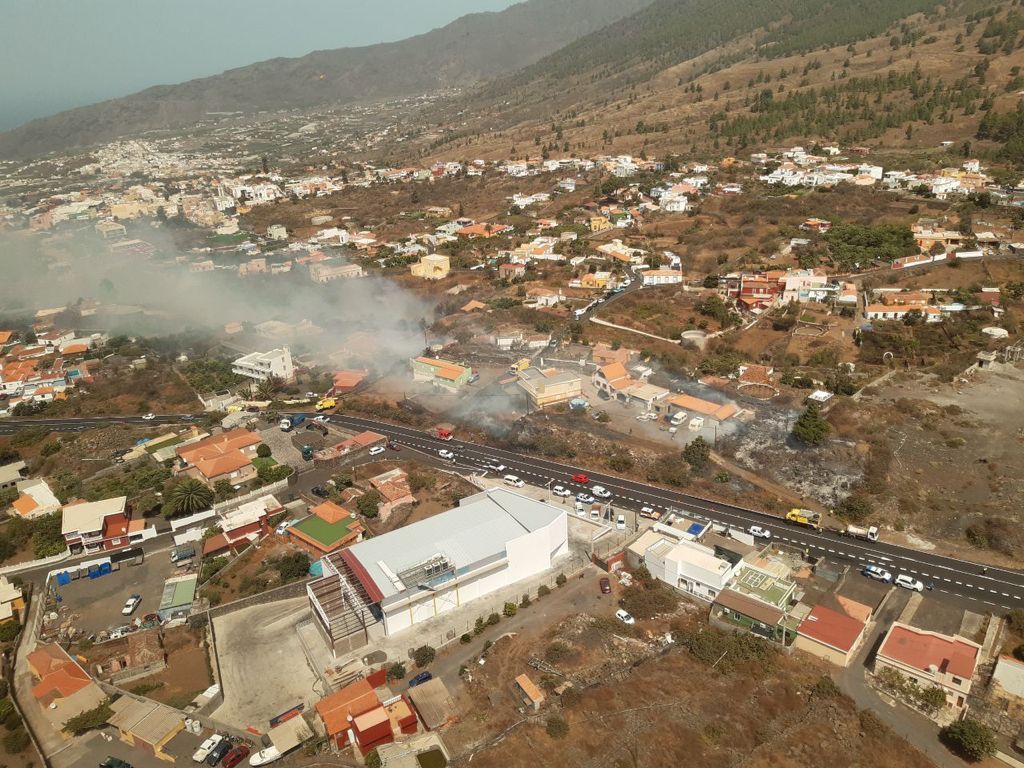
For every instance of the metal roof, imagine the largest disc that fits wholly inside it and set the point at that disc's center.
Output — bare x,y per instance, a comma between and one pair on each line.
477,530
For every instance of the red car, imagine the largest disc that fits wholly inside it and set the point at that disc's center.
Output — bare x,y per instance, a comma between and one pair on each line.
606,586
579,477
235,756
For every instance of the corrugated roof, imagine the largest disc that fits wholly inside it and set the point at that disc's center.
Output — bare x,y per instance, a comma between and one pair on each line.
749,606
479,528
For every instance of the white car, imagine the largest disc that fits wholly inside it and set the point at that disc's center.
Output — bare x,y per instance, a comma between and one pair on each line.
649,512
514,481
283,527
601,492
760,533
131,604
586,498
377,450
624,617
620,522
877,573
496,466
322,419
444,453
626,283
908,582
206,748
149,417
562,491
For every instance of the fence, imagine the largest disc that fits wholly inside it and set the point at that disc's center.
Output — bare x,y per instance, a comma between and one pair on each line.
36,563
127,675
28,632
295,589
238,501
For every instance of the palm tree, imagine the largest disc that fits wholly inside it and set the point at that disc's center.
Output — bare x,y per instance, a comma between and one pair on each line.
267,389
190,496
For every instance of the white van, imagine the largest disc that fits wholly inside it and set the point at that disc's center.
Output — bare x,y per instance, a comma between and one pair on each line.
696,423
678,419
514,481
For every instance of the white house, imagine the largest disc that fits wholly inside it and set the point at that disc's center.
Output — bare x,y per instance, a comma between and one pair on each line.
662,277
262,365
686,565
491,541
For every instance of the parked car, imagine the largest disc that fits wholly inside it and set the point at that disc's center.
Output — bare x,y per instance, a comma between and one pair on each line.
444,453
624,617
649,512
620,522
218,752
394,446
377,450
114,762
422,677
322,419
559,490
908,582
586,498
235,756
514,481
606,586
206,748
580,478
601,492
760,533
149,417
496,466
131,604
319,491
877,573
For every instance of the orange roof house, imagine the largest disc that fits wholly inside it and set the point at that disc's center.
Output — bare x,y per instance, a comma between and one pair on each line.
356,710
472,306
483,230
63,689
329,528
346,381
693,404
5,336
227,456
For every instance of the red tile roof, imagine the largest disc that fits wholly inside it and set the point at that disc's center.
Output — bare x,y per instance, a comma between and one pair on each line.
832,628
354,700
920,649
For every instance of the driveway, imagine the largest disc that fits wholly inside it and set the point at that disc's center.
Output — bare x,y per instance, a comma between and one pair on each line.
917,729
264,670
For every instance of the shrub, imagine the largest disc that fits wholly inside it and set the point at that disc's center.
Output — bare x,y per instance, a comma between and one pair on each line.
8,631
1015,620
855,508
3,689
90,719
557,651
557,728
697,454
970,739
487,645
493,619
423,655
293,566
509,610
479,626
543,590
726,650
811,428
825,688
6,707
647,601
16,741
368,504
263,451
560,581
396,671
1018,652
525,601
466,638
372,759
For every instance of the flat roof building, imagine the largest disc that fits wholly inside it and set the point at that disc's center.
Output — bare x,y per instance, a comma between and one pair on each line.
930,659
549,386
492,540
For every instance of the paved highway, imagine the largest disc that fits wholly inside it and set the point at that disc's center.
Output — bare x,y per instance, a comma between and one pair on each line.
990,588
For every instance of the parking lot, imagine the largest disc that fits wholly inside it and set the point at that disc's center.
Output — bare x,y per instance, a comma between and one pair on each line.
263,667
96,603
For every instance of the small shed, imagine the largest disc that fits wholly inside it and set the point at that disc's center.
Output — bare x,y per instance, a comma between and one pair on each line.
433,703
146,724
530,693
289,734
179,593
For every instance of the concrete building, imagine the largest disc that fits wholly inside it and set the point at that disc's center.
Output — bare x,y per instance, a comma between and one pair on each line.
672,557
12,474
662,277
260,366
326,272
62,688
492,540
178,596
96,525
433,266
35,499
830,635
549,386
930,659
440,373
146,725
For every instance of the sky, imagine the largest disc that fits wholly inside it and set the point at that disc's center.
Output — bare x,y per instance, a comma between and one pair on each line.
59,54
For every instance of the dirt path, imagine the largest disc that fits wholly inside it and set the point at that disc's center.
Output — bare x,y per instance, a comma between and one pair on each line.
789,496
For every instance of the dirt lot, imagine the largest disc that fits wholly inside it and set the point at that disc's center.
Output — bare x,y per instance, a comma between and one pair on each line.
187,673
252,573
749,713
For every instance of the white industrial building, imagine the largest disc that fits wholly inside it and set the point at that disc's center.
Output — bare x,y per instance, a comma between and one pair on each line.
262,365
391,582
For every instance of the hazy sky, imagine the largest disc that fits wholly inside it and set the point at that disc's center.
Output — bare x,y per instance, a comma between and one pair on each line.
58,54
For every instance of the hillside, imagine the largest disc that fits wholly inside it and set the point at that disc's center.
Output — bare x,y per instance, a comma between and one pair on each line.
898,75
473,48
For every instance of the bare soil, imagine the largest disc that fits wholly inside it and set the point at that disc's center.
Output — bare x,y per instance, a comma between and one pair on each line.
187,672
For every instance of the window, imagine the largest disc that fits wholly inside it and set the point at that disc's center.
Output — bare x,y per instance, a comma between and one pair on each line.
957,681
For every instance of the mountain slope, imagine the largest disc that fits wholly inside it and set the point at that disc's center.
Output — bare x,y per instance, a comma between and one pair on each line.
473,48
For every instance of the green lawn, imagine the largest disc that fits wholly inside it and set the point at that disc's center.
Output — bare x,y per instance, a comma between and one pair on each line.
322,531
261,463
